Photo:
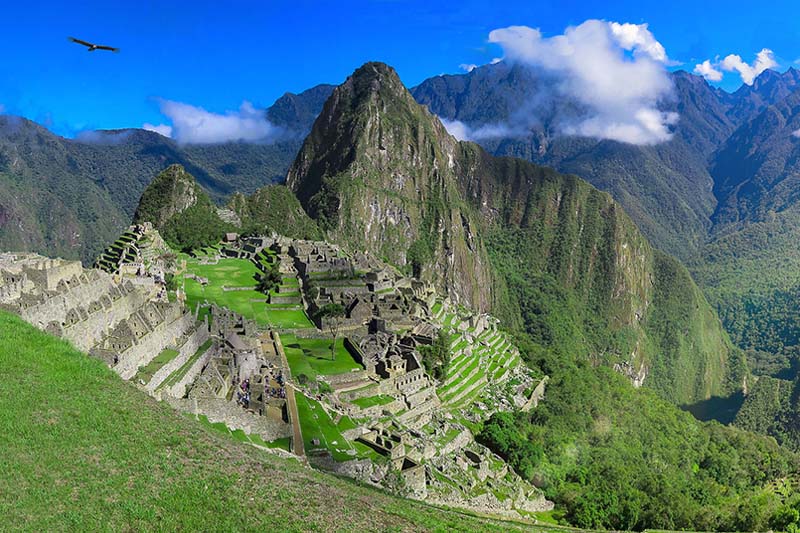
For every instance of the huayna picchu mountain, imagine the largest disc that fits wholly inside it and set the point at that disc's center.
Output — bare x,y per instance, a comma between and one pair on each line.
547,252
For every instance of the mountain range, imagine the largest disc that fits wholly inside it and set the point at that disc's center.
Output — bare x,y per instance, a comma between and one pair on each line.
620,328
720,196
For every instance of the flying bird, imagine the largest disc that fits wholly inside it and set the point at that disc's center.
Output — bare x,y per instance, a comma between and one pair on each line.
91,47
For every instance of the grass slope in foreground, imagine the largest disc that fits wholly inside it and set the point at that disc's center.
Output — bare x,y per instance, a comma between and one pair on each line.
82,450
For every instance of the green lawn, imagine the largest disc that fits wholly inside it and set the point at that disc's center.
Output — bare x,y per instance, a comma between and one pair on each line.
316,424
241,436
370,401
312,357
176,376
248,303
84,451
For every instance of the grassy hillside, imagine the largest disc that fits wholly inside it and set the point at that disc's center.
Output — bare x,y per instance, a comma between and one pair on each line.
83,450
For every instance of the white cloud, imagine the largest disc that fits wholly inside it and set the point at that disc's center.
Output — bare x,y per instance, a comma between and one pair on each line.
637,38
463,132
468,67
195,125
796,133
457,129
162,129
707,70
615,73
764,59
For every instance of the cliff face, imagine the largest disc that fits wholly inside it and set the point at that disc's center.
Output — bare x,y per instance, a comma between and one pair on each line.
273,208
553,256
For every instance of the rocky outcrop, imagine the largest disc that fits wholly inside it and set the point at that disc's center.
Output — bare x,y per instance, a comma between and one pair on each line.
172,192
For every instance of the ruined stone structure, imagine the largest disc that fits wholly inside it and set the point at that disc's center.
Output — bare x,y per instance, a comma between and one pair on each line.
245,369
225,368
366,288
116,321
139,252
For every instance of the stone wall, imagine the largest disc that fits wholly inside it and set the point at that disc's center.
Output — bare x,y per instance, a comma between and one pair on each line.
152,344
338,380
87,333
178,390
79,294
52,272
185,352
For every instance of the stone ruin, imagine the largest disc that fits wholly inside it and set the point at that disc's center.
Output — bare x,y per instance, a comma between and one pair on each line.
116,321
230,371
363,286
139,253
394,364
244,381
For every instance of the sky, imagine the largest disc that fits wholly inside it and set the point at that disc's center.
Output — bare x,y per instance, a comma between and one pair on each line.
185,62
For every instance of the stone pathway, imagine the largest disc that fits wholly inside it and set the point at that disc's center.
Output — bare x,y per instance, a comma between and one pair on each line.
291,403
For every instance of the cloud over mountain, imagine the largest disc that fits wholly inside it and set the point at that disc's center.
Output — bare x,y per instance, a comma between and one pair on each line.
612,74
765,59
162,129
708,71
195,125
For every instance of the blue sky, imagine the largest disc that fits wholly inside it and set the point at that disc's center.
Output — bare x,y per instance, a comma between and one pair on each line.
216,55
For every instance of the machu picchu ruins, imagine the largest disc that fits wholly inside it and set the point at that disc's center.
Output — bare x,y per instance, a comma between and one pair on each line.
265,363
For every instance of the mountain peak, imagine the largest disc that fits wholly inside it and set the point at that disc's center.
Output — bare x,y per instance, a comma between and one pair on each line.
370,117
171,192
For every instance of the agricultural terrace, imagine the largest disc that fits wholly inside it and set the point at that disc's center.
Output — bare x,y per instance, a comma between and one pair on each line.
322,433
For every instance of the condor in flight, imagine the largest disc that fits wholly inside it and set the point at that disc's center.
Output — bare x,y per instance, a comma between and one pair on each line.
92,47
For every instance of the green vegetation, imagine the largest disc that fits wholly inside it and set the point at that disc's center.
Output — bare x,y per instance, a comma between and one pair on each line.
269,280
317,425
436,357
752,276
180,209
82,450
331,316
372,401
599,440
176,376
274,208
241,436
145,373
771,408
237,273
312,358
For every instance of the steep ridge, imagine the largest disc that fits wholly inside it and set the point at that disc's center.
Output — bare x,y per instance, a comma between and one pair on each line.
750,268
180,210
273,208
379,172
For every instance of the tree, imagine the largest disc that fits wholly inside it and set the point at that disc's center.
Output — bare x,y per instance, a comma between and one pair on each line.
436,357
269,279
332,316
